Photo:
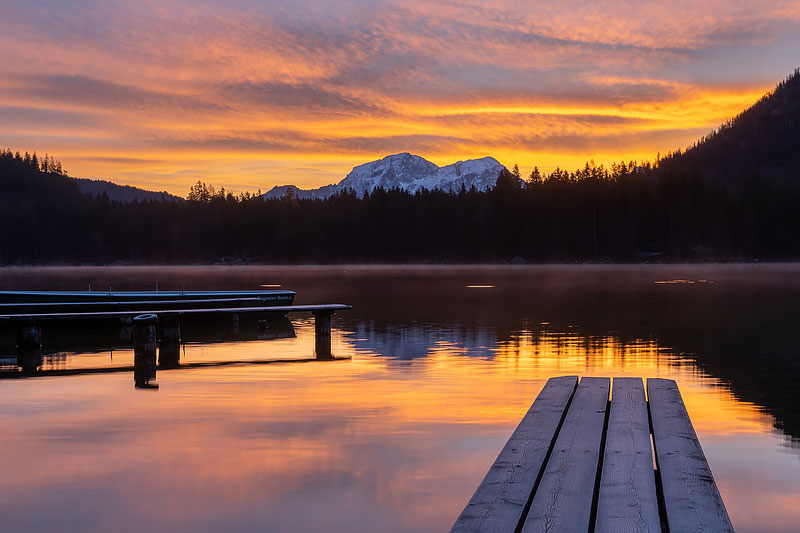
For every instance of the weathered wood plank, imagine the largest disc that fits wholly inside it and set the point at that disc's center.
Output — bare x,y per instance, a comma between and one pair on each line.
563,500
500,500
4,307
691,497
221,310
627,500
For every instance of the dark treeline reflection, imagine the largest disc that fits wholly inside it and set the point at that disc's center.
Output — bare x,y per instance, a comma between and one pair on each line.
738,323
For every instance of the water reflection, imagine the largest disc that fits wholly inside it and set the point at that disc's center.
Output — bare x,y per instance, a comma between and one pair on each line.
69,347
144,370
400,341
397,438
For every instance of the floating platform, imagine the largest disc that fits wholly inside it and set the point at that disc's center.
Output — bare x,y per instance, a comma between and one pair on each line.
581,462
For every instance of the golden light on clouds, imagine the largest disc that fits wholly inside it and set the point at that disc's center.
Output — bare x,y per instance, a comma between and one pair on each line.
250,95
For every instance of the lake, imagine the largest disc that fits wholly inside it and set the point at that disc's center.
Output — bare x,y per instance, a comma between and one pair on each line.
441,362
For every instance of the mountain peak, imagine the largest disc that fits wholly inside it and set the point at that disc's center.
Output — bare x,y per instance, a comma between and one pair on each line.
408,172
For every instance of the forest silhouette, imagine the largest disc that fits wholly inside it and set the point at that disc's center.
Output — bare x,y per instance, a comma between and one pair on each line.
732,196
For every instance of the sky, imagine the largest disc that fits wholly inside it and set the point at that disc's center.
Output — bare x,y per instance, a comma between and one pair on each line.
250,94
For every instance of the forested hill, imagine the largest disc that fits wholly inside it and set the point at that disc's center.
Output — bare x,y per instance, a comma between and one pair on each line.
122,193
763,141
26,176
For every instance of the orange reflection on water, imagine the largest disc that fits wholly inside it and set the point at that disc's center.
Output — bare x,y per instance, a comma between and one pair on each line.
374,443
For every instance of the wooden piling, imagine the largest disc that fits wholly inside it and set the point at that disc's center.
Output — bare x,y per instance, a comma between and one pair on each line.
29,345
126,329
234,324
322,333
145,342
169,346
322,314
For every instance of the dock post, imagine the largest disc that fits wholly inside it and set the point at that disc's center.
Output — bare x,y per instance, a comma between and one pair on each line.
263,329
29,345
322,334
234,324
126,329
169,346
144,350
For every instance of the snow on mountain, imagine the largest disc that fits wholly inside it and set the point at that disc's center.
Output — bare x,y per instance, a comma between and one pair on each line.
405,171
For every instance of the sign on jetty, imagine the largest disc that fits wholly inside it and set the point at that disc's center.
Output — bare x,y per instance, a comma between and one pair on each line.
581,462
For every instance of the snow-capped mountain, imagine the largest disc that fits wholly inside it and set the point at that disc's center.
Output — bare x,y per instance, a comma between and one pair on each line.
408,172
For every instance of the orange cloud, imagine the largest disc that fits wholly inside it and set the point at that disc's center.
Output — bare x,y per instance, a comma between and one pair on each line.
161,94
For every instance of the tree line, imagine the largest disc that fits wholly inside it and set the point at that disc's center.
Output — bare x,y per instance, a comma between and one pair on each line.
625,213
47,164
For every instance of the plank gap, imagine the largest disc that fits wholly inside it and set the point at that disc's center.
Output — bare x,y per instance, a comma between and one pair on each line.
691,497
627,498
601,457
542,468
662,504
563,500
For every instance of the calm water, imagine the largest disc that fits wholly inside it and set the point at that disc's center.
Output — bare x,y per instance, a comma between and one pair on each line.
397,437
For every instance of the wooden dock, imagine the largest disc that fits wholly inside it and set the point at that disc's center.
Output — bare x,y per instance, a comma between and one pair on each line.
158,327
207,310
581,462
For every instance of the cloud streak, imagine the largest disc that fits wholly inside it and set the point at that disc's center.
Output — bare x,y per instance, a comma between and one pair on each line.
249,94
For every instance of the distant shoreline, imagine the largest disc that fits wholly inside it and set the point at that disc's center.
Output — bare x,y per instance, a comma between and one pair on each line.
415,266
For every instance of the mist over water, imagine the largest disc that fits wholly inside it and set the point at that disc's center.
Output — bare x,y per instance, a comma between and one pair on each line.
442,363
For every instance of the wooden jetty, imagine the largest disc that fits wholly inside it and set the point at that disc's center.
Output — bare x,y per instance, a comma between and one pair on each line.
267,297
123,305
317,310
160,325
581,462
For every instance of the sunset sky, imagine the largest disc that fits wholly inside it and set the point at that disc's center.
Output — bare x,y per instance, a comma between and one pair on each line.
250,94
